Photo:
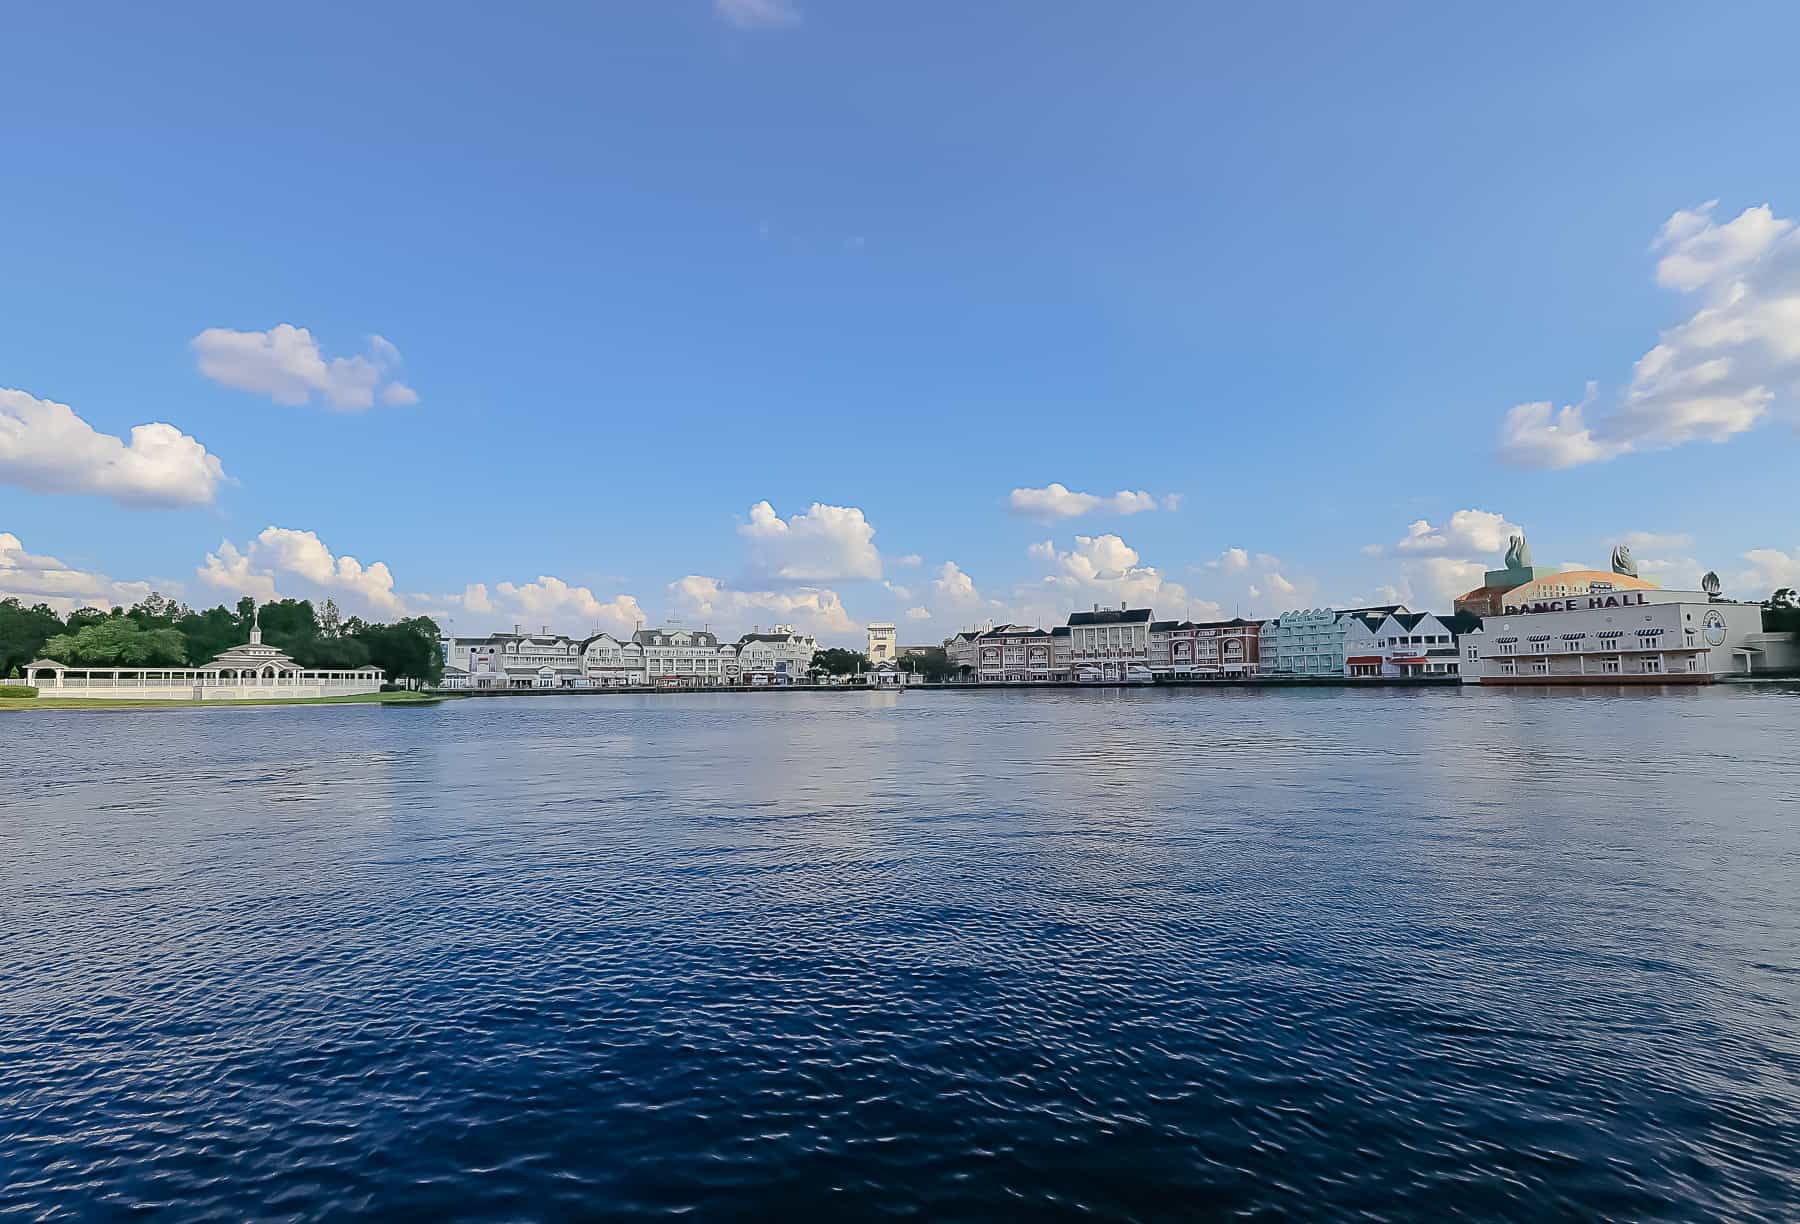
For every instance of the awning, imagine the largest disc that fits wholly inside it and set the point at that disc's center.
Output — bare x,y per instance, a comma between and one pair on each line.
1363,660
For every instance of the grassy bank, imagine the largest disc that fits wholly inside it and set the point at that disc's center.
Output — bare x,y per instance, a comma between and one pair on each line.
77,703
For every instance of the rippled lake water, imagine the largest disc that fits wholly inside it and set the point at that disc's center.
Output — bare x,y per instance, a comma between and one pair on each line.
1413,954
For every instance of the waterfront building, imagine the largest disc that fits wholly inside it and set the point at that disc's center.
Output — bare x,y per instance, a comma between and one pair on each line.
1110,645
959,652
252,671
884,644
676,657
1013,653
1622,637
1403,644
889,675
779,657
513,660
1310,641
1061,652
1205,648
1160,632
611,662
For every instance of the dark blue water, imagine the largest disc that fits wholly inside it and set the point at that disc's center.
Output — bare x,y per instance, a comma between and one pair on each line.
1413,955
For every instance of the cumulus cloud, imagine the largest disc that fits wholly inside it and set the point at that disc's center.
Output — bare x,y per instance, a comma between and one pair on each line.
284,561
910,561
46,448
1230,559
286,364
918,613
1055,501
953,586
229,569
825,544
33,579
1100,569
551,601
815,610
253,570
1770,569
756,14
1465,531
1440,561
1709,378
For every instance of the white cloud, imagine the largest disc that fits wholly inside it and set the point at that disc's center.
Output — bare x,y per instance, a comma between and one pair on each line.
252,570
1055,501
814,610
1442,561
827,543
1230,559
551,601
46,448
286,364
1538,435
1703,254
1172,502
1103,570
955,587
910,561
918,614
1770,568
229,570
756,14
1479,531
35,579
1707,379
281,560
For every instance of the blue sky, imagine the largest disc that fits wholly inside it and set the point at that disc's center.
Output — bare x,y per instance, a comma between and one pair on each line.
601,279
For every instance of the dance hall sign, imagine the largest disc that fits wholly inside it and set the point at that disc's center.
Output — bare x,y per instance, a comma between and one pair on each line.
1583,603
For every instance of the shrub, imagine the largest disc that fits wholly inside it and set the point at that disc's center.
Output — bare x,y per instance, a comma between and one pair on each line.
18,690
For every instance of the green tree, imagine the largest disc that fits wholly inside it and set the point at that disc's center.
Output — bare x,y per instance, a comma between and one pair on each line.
118,641
406,650
81,618
156,611
23,631
333,654
932,664
839,662
209,634
291,626
1781,611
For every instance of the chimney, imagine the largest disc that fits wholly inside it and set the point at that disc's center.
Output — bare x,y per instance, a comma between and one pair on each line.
516,628
1121,605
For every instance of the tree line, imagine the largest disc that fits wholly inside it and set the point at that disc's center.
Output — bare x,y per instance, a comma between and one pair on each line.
161,632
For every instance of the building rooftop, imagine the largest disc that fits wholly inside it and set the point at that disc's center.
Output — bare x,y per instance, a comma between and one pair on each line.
1111,616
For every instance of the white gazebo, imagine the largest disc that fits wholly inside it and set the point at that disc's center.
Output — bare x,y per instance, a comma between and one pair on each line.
251,671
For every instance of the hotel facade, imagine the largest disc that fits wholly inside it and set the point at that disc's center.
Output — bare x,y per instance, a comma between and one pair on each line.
669,657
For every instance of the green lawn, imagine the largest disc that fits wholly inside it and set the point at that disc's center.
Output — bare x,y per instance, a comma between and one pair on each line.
77,703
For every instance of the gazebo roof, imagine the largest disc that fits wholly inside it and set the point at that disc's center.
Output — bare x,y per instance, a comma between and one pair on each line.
251,657
43,663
